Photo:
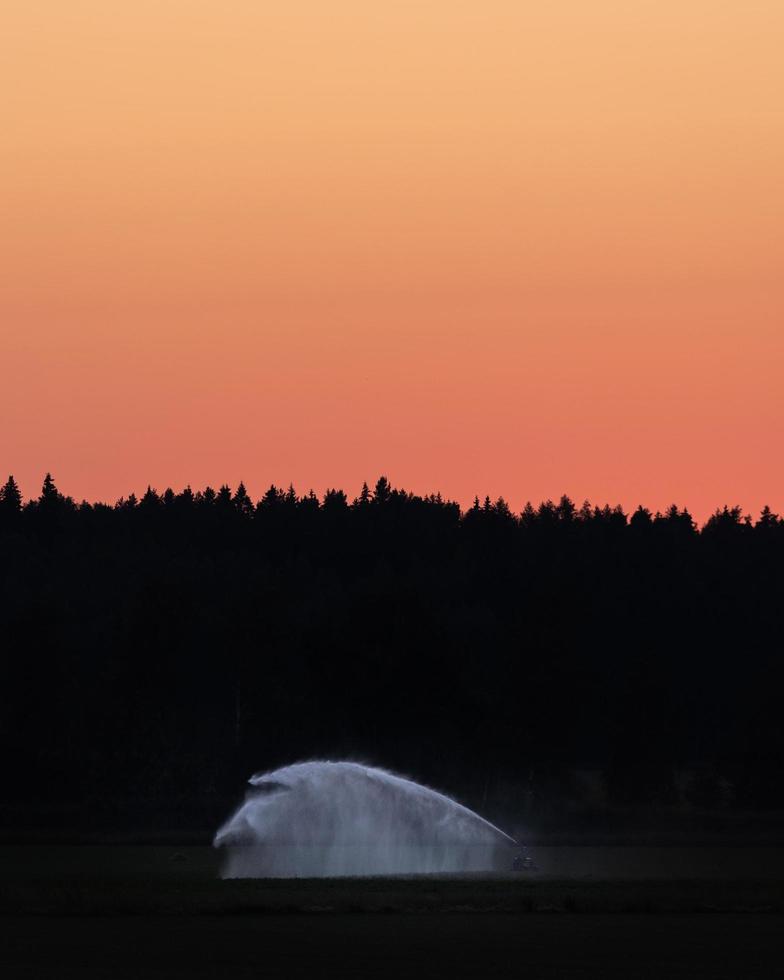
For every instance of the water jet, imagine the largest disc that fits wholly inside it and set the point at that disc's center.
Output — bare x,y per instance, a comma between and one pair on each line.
325,819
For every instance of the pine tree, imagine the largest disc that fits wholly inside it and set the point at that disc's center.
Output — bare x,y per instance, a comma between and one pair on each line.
10,497
527,516
150,500
566,510
242,501
223,499
309,504
186,498
383,491
272,498
641,518
50,495
768,519
335,500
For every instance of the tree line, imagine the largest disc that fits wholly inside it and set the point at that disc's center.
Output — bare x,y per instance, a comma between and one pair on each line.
159,650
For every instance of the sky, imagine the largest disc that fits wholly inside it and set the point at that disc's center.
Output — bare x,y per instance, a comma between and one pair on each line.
508,248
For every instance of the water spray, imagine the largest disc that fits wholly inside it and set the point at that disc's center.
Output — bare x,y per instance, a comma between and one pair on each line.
318,819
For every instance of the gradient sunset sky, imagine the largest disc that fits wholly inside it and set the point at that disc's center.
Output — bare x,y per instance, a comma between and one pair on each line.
495,247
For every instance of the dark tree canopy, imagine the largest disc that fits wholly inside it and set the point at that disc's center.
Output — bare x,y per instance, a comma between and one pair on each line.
163,649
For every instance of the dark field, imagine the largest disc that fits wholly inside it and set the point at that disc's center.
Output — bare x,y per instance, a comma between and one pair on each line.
561,947
96,911
169,880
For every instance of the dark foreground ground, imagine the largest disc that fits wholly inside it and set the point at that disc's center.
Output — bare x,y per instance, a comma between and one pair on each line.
121,912
461,944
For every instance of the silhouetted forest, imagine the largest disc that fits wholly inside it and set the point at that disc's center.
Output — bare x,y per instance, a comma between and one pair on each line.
157,651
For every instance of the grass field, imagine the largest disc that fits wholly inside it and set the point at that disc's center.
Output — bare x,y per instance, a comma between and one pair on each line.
92,912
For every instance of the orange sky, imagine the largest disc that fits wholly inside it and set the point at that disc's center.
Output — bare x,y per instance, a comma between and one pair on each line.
502,247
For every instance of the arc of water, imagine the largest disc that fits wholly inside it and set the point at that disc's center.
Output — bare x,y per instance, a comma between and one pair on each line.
342,815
